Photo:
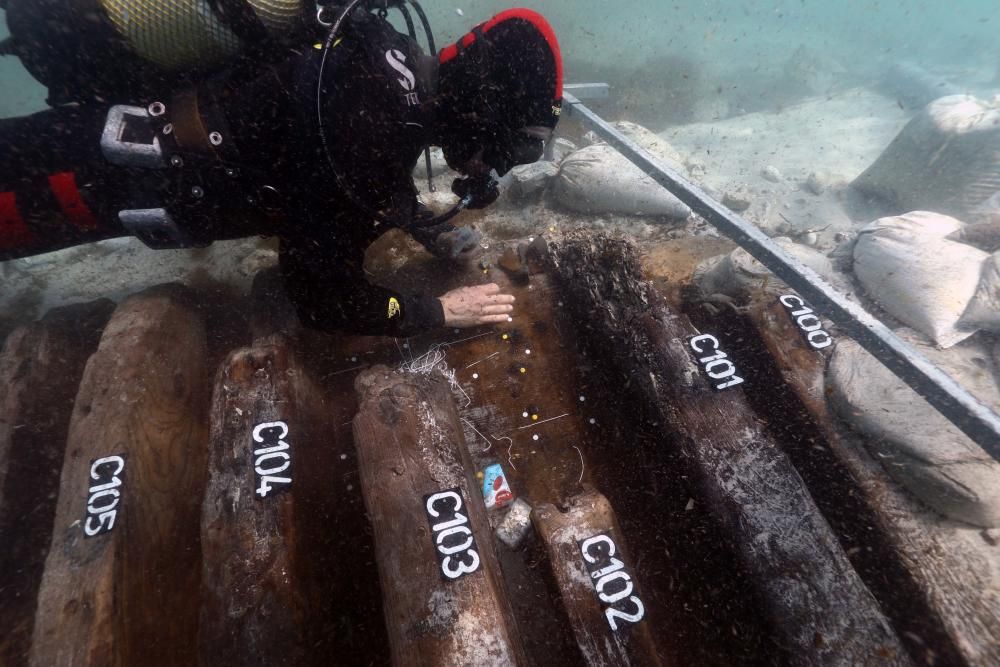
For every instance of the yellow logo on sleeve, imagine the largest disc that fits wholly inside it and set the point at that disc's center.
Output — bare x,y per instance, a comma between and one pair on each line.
393,307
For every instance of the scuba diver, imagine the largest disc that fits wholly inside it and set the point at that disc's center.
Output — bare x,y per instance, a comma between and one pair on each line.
309,131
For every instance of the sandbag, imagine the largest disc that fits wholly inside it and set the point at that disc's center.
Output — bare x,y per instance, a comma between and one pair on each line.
984,309
919,447
918,276
946,159
599,179
738,273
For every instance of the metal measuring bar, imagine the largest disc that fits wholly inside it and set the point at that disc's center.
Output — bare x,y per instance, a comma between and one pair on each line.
947,396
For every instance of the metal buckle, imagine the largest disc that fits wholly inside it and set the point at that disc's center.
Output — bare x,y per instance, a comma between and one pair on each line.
157,229
118,150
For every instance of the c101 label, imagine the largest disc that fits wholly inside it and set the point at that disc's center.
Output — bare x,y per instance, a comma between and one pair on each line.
272,461
454,543
714,362
105,494
807,321
612,582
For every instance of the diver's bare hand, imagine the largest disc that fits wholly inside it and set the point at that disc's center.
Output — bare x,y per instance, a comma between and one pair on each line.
471,306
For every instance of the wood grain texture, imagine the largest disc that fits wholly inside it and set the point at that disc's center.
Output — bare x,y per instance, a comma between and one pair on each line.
129,596
40,369
952,571
410,445
255,601
561,532
820,611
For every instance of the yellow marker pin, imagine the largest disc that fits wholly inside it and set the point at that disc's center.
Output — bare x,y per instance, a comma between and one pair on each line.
534,418
504,337
523,369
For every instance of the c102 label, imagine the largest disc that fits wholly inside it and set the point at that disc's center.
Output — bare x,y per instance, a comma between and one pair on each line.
612,582
272,461
105,494
454,543
807,321
714,362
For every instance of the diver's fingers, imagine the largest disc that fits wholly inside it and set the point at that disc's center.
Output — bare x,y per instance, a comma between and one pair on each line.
492,319
500,298
489,289
497,309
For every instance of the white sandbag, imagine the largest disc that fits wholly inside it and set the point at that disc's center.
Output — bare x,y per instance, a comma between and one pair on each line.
918,447
946,159
738,273
911,270
984,309
599,179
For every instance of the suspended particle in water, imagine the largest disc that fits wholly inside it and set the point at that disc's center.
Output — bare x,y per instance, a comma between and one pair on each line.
475,376
535,437
524,414
510,319
583,398
459,11
343,457
593,421
527,351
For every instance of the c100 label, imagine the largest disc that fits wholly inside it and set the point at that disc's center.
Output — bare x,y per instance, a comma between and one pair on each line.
807,321
611,581
454,543
714,362
272,461
106,475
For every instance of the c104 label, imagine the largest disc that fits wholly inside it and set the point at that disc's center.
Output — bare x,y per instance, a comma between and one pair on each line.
272,461
807,321
454,543
714,362
612,582
106,475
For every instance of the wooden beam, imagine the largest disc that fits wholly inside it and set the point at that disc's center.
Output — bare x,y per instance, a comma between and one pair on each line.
817,606
596,579
40,369
268,420
940,581
121,579
444,600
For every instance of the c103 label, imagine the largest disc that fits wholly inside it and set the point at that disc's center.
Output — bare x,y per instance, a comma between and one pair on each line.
272,461
714,362
807,321
612,582
104,496
454,543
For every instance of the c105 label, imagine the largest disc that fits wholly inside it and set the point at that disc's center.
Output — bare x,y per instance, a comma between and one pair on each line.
454,543
105,494
612,582
714,362
807,321
271,462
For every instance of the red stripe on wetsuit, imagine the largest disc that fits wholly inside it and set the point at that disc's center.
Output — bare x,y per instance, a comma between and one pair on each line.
14,231
71,203
532,17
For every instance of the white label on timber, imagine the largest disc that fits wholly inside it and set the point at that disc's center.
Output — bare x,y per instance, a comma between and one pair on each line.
105,494
715,363
807,321
271,459
454,544
612,582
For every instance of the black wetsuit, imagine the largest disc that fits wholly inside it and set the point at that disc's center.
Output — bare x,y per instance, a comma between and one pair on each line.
57,190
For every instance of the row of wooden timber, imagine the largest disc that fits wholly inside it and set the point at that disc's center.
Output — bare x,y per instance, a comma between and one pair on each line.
315,504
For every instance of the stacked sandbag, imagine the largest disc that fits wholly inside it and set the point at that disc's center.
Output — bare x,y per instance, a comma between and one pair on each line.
910,268
919,447
738,274
598,179
946,159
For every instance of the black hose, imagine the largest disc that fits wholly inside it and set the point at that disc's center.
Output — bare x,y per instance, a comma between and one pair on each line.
8,47
427,26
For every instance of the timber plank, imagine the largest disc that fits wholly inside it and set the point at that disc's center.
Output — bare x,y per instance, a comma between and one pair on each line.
950,574
817,606
128,594
444,599
40,369
581,543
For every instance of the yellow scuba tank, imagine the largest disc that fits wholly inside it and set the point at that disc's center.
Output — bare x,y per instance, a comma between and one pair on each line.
178,34
111,49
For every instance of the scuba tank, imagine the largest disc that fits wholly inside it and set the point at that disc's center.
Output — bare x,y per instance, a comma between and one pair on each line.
115,50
